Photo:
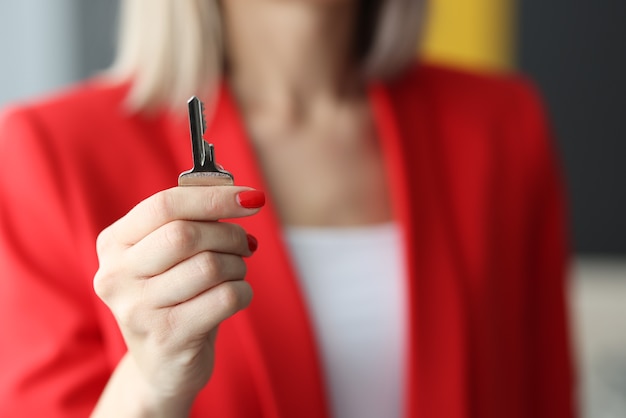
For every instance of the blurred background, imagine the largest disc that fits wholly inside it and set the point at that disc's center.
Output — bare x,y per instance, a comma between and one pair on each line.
574,50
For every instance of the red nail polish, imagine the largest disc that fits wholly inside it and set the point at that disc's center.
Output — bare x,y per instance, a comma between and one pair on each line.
251,199
253,244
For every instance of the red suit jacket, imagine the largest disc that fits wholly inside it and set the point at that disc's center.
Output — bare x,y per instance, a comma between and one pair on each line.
474,186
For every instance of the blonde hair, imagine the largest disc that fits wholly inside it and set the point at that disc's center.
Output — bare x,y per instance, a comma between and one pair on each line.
173,49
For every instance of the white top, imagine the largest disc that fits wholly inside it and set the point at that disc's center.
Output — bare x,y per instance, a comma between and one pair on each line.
354,282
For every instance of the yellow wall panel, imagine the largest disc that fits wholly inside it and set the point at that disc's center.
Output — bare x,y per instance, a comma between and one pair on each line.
476,34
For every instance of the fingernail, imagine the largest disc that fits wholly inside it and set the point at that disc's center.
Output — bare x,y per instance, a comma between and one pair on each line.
253,244
251,199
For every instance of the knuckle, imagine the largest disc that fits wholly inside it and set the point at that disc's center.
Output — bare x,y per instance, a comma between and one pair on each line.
130,311
181,234
161,205
124,314
107,287
132,315
233,297
130,318
105,283
103,241
101,285
229,297
208,264
108,239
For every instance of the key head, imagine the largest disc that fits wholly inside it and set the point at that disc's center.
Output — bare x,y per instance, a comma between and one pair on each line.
204,178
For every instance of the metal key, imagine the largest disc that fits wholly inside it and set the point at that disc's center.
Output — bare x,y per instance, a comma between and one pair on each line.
205,171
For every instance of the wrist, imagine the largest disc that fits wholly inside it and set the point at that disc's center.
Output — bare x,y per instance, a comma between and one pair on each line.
127,394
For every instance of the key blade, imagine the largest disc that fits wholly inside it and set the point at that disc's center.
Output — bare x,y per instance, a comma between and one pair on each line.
205,169
197,127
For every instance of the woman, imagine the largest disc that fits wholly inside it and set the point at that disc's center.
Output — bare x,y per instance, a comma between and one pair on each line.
410,255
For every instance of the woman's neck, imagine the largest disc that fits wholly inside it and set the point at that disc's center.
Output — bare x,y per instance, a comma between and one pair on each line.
286,55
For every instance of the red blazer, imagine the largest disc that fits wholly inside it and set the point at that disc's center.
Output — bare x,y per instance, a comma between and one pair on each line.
474,186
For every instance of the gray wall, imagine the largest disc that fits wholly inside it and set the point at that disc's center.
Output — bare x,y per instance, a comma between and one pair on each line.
98,26
48,44
39,46
576,52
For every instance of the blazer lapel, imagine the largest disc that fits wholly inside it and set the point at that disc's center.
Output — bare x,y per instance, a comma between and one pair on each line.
276,328
437,363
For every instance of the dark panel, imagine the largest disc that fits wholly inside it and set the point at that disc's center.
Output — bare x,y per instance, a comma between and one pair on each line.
576,51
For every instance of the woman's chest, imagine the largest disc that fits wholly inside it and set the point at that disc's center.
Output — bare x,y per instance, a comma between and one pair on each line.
326,178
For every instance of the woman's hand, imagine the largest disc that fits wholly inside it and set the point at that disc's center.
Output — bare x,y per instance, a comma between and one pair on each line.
171,274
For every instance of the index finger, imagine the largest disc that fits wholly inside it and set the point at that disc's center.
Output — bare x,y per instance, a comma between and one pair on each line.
186,203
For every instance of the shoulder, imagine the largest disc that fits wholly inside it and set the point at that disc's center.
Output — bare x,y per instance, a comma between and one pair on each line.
64,131
450,88
88,121
81,130
494,124
94,92
77,108
444,80
463,105
51,135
